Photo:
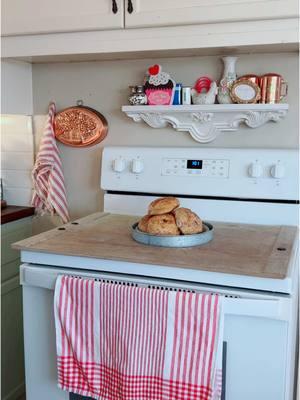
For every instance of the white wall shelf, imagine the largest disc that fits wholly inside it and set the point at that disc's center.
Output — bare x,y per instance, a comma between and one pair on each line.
205,122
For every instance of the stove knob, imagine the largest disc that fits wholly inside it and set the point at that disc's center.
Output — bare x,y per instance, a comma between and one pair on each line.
118,165
277,171
137,166
255,170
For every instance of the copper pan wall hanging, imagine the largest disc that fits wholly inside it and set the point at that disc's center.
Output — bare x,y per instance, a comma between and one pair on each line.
80,126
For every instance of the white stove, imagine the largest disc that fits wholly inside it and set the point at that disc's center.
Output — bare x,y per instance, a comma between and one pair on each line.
255,186
233,185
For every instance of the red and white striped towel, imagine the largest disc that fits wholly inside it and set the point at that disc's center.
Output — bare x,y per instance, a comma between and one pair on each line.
48,181
134,343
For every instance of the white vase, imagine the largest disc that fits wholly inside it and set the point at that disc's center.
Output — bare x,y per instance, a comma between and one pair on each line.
229,76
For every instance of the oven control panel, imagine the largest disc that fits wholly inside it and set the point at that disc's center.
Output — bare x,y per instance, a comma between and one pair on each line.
208,168
217,172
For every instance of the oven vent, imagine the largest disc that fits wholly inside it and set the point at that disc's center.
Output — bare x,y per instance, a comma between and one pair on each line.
117,282
108,281
160,287
171,289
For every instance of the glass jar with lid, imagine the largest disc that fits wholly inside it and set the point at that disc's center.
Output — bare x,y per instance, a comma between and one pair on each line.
137,96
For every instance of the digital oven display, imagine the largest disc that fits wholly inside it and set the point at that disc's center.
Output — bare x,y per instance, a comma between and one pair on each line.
194,164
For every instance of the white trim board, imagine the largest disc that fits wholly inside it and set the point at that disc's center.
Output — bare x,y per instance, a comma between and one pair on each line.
272,35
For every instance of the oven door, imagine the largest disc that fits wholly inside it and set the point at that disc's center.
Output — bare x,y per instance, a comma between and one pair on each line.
256,336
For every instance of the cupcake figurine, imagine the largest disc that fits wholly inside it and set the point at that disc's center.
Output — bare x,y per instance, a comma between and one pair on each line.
159,87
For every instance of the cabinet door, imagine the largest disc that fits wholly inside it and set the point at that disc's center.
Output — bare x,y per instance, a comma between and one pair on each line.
36,16
12,351
181,12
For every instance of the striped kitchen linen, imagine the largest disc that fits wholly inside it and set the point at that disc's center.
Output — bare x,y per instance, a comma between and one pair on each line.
48,180
117,341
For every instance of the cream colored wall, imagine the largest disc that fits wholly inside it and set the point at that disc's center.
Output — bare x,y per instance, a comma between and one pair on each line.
104,86
16,87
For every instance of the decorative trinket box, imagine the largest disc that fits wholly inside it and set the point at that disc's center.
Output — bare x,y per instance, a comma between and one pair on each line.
159,86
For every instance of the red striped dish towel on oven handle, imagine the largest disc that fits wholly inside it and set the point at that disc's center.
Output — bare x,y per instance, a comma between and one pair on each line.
49,193
116,341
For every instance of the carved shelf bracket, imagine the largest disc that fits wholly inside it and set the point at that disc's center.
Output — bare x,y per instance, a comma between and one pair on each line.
205,122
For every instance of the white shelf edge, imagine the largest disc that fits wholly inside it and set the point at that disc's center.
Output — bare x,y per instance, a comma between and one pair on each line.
205,122
209,107
210,38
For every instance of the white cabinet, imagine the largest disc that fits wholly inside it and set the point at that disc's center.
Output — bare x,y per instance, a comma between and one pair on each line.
21,17
35,17
181,12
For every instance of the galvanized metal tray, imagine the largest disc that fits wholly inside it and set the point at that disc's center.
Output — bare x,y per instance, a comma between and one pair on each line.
174,241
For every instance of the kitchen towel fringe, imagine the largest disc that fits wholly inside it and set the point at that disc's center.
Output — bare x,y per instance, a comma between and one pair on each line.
48,181
135,343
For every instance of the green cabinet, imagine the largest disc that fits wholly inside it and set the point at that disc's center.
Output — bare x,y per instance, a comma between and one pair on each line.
12,351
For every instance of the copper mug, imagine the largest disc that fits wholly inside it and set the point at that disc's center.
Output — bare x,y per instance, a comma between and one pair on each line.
252,78
273,88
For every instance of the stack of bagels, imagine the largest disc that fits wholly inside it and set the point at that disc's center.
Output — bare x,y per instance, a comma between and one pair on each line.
166,217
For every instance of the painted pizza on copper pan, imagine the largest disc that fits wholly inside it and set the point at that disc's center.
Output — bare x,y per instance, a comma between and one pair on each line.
80,126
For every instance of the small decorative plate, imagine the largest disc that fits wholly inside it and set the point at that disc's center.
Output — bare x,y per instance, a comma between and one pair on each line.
197,239
244,91
80,126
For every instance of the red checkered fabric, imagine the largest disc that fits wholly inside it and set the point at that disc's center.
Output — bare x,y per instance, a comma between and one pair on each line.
133,343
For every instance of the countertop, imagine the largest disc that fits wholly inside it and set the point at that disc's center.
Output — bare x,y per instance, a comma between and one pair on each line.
13,213
255,250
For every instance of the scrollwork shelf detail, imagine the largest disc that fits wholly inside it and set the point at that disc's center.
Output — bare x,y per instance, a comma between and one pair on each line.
204,123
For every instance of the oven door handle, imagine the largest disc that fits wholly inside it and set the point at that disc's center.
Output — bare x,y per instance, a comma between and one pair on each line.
224,370
274,308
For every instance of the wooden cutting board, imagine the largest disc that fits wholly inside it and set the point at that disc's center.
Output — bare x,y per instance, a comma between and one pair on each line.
256,250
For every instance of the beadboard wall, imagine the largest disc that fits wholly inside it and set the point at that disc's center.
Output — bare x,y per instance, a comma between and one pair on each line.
104,86
17,141
17,155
